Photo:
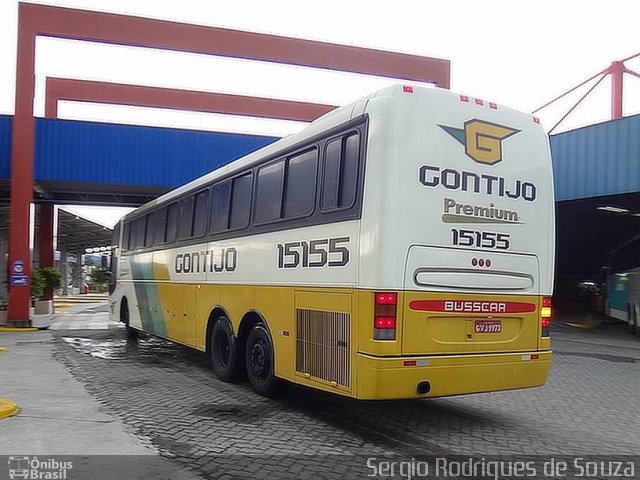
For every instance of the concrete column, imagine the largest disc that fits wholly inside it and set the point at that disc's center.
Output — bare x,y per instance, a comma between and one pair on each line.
64,270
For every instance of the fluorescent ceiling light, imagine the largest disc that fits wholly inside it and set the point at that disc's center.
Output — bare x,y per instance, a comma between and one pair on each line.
613,209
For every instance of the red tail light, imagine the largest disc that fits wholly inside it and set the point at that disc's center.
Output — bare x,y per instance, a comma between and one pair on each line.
385,322
545,316
384,316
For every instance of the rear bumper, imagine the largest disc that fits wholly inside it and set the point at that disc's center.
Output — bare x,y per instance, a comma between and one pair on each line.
398,377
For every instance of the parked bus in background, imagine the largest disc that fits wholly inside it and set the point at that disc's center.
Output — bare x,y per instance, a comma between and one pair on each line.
623,298
399,247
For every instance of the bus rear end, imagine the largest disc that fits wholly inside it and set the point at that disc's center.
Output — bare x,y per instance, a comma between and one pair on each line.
457,248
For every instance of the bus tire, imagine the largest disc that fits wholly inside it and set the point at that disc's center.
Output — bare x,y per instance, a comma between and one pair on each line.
259,363
224,350
132,333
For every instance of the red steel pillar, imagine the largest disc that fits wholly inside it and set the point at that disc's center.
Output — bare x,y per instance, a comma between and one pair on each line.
22,148
45,241
616,70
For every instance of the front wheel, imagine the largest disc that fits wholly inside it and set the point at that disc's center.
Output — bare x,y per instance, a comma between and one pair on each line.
132,333
259,362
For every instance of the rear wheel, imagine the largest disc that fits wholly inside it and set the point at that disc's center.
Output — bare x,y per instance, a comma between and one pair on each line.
224,350
259,362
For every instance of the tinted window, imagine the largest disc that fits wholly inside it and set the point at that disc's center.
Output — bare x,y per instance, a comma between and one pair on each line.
340,176
240,211
201,213
186,217
331,177
138,231
126,236
269,192
220,207
151,222
300,189
349,171
159,227
172,223
115,238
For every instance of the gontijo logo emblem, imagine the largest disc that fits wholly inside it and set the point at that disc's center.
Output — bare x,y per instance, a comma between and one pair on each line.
482,140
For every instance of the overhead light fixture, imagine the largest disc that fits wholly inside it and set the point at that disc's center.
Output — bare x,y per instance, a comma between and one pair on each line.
609,208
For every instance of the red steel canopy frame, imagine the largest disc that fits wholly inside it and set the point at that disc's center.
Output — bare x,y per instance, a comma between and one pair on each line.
616,70
34,20
143,96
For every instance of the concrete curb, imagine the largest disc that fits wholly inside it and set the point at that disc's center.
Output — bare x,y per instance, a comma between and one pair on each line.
18,330
7,408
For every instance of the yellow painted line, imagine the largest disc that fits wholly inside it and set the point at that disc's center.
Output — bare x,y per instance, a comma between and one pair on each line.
7,408
18,330
584,326
63,305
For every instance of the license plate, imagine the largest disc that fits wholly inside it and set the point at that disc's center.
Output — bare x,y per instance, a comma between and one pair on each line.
487,326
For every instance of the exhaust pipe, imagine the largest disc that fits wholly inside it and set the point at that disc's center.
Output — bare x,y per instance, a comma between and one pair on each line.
423,388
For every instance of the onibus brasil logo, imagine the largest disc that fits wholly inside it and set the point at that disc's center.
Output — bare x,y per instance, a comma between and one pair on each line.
32,468
482,140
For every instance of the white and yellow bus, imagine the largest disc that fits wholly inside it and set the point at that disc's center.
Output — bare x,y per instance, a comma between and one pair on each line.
399,247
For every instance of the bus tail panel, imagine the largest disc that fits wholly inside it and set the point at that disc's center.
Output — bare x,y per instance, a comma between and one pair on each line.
445,323
465,301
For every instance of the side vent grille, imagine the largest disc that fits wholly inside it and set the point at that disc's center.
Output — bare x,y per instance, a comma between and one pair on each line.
322,345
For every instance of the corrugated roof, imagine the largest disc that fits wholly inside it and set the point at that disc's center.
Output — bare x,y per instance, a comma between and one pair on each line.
109,154
5,145
601,159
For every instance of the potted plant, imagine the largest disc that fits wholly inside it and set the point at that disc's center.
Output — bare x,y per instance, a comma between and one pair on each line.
44,280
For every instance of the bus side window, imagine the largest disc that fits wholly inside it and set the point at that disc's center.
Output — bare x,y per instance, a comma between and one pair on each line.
240,208
201,213
137,232
300,188
186,218
152,218
159,226
172,223
269,181
220,207
340,175
126,236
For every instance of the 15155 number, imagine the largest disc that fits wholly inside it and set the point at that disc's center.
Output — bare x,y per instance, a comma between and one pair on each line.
474,238
314,253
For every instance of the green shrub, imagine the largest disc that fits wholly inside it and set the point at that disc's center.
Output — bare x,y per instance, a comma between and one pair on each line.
44,280
37,283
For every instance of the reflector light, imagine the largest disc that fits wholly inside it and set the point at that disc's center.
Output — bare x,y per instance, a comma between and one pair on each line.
474,262
536,120
535,357
479,101
546,322
481,262
464,98
493,105
385,323
488,262
407,89
386,298
546,301
410,363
